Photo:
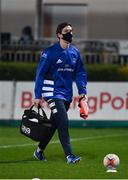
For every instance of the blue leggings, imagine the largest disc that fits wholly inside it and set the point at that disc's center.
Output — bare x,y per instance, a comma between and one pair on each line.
59,119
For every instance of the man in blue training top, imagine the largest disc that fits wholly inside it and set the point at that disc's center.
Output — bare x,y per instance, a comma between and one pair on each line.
59,66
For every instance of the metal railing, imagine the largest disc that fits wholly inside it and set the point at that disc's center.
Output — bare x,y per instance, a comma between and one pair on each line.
105,58
16,51
91,54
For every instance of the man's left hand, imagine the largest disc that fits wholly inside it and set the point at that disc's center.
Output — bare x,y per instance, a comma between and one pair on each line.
83,104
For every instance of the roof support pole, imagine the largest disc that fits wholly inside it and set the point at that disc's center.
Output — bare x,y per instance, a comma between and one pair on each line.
39,20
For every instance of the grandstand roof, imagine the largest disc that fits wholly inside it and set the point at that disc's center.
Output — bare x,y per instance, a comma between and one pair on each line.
66,2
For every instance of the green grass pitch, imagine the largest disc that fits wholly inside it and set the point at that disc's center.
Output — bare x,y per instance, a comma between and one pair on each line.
17,161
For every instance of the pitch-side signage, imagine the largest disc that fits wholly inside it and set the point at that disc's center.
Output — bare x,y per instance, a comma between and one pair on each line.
107,101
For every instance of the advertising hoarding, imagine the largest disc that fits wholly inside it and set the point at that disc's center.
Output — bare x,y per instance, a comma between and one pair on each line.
107,101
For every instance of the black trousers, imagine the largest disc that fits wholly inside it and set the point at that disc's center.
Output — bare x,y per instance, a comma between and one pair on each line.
60,122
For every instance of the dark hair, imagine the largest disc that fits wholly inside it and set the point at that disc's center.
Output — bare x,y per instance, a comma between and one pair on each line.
61,26
27,30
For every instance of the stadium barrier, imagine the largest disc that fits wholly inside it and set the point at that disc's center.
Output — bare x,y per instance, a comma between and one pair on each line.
93,52
20,52
108,103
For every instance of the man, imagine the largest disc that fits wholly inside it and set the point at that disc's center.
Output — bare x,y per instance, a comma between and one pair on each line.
59,66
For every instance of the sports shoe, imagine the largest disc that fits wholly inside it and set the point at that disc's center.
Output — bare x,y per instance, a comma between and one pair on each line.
39,155
72,159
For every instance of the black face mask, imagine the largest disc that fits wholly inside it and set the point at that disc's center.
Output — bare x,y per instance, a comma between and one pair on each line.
67,37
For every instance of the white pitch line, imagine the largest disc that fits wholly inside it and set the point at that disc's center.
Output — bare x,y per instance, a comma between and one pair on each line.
55,142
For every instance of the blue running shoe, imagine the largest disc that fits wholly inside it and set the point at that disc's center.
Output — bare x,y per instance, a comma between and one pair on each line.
39,155
72,159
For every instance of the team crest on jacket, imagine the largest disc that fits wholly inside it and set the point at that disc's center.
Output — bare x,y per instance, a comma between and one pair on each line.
74,60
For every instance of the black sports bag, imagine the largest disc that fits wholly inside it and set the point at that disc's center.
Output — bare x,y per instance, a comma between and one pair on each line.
34,124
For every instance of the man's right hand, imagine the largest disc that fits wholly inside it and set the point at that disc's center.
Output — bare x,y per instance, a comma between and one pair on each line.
37,102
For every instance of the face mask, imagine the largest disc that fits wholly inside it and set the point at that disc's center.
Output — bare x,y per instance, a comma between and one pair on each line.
67,37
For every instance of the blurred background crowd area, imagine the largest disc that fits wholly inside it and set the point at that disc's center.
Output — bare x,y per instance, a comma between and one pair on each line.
100,28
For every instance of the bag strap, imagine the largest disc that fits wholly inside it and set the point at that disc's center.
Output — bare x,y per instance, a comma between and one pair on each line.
43,112
31,107
39,107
